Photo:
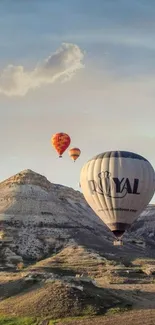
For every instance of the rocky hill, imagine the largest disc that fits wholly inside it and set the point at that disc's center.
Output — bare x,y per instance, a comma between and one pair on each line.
53,245
39,218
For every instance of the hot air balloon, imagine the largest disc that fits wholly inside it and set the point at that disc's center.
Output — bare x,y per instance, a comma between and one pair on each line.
60,142
74,153
118,185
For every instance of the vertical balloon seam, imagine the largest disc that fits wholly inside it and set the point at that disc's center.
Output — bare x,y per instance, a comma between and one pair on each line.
122,215
123,161
132,196
95,197
102,195
89,172
119,175
106,214
104,200
110,198
93,178
134,215
107,199
112,170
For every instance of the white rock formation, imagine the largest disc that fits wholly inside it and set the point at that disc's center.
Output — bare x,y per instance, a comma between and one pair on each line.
41,217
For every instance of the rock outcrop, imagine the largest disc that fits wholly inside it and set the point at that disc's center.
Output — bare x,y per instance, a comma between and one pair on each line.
40,218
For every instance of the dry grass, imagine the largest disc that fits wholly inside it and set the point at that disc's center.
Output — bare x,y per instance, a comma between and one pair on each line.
76,259
138,317
57,299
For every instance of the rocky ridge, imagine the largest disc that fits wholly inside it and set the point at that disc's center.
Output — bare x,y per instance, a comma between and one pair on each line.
39,218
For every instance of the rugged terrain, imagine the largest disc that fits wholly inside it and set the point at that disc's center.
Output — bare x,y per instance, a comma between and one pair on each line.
39,218
57,258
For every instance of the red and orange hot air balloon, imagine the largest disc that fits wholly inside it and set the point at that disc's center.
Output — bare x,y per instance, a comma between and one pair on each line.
74,153
60,141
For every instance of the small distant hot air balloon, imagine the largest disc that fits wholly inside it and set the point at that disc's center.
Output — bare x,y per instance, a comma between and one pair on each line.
60,142
118,185
74,153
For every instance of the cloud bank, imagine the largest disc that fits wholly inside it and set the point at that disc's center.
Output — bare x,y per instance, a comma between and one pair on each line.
60,65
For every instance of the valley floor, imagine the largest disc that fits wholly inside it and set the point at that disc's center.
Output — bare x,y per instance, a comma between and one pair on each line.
136,317
77,281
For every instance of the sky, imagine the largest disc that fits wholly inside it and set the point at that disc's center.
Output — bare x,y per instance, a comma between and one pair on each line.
86,68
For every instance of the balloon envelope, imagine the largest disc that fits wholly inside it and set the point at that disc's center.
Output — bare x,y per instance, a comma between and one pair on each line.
60,142
74,153
118,185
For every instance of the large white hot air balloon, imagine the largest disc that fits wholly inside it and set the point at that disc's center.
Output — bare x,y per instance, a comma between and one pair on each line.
118,185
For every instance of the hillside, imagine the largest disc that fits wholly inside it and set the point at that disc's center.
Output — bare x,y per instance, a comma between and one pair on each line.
40,218
79,282
58,259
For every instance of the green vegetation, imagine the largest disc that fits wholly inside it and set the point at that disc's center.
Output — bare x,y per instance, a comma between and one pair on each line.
117,310
17,321
67,320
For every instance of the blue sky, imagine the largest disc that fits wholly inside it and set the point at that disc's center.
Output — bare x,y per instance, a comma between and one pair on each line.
108,104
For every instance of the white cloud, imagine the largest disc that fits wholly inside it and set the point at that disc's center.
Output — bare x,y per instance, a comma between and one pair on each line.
62,65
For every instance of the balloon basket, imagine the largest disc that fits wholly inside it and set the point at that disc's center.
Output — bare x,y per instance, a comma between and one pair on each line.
118,242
